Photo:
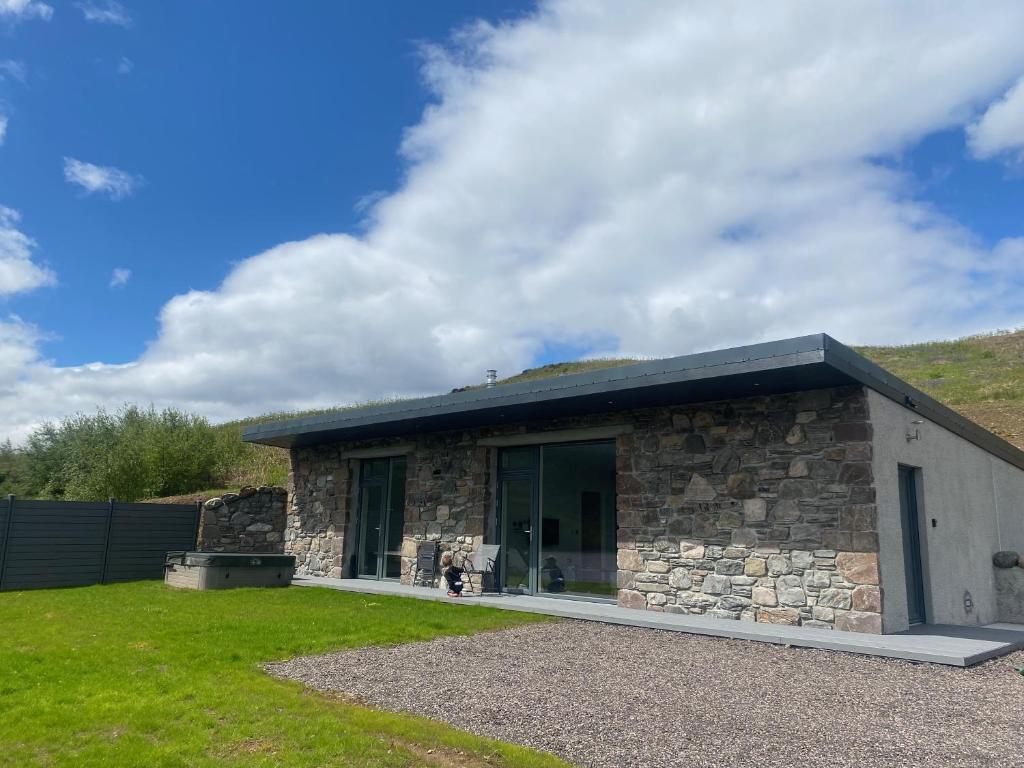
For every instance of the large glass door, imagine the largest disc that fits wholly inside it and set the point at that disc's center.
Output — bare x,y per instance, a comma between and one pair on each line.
556,506
517,507
517,502
381,517
578,520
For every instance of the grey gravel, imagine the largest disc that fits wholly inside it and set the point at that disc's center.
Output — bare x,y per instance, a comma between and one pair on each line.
616,697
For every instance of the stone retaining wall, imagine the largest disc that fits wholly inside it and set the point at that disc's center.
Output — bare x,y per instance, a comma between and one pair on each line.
252,520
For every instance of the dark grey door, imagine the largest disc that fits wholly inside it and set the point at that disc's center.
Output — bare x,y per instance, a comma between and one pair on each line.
912,544
381,517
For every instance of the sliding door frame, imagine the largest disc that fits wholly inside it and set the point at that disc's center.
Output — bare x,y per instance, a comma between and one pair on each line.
534,473
383,530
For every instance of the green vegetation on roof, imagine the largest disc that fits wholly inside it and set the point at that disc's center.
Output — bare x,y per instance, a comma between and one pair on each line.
968,370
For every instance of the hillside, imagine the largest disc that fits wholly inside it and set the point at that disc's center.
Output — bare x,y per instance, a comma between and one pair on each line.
982,377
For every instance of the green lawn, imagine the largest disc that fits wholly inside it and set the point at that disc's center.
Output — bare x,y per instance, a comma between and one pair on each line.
139,674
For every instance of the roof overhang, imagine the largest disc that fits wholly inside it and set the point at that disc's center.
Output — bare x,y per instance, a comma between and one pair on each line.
791,365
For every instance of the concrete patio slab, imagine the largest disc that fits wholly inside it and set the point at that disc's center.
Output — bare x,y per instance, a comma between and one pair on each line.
934,643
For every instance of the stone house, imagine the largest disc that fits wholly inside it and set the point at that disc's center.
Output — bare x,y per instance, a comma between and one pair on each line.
791,482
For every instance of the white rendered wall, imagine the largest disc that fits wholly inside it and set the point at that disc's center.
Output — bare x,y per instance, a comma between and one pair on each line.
975,499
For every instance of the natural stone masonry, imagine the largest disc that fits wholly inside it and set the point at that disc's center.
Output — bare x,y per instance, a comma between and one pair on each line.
251,520
446,498
761,509
317,522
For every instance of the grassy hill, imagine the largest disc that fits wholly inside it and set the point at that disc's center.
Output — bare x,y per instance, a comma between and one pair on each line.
982,377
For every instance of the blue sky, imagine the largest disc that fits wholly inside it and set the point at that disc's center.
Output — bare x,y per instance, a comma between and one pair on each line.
322,203
986,196
245,138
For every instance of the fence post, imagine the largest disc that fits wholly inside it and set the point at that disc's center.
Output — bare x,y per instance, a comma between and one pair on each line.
106,538
199,522
7,537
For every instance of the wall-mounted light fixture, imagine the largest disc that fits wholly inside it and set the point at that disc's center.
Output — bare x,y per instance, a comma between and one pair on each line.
914,434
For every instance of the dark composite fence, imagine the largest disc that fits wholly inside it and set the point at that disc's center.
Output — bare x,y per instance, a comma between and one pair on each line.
77,543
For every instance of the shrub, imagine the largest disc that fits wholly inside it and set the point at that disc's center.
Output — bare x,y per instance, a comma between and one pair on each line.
132,454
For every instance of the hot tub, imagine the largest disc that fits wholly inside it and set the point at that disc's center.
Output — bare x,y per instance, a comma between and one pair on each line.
224,570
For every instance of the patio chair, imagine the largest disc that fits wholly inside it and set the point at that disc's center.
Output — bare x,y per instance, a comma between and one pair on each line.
426,564
480,561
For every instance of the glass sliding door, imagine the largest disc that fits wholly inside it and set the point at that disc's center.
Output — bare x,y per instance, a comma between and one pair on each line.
558,522
393,533
517,503
381,517
578,521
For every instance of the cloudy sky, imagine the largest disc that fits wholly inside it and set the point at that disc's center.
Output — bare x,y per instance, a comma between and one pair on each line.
242,207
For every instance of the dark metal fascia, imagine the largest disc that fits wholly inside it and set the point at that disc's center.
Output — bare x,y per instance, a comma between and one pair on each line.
788,353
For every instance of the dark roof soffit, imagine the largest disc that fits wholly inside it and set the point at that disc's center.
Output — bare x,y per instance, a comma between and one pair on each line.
801,352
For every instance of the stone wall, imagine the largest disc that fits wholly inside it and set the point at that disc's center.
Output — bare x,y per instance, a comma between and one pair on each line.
251,520
759,509
447,498
318,516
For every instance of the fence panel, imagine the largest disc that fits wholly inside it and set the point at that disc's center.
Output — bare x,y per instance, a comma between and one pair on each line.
140,539
67,544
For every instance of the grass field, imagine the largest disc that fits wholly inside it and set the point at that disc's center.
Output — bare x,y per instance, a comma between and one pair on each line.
141,675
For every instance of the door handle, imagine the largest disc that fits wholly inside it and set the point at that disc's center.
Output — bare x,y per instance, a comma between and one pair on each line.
528,531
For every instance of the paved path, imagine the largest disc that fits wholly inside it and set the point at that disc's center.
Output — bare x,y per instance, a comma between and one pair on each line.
939,644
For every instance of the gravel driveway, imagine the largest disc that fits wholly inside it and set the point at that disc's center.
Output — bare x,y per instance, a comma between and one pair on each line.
620,697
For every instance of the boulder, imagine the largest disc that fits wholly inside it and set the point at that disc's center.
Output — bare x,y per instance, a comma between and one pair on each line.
1004,559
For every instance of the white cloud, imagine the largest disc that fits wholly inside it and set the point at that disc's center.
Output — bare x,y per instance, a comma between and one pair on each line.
18,272
649,179
108,12
17,10
10,70
16,70
120,277
112,182
1001,128
125,66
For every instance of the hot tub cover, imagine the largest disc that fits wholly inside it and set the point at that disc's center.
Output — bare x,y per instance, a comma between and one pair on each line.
231,559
